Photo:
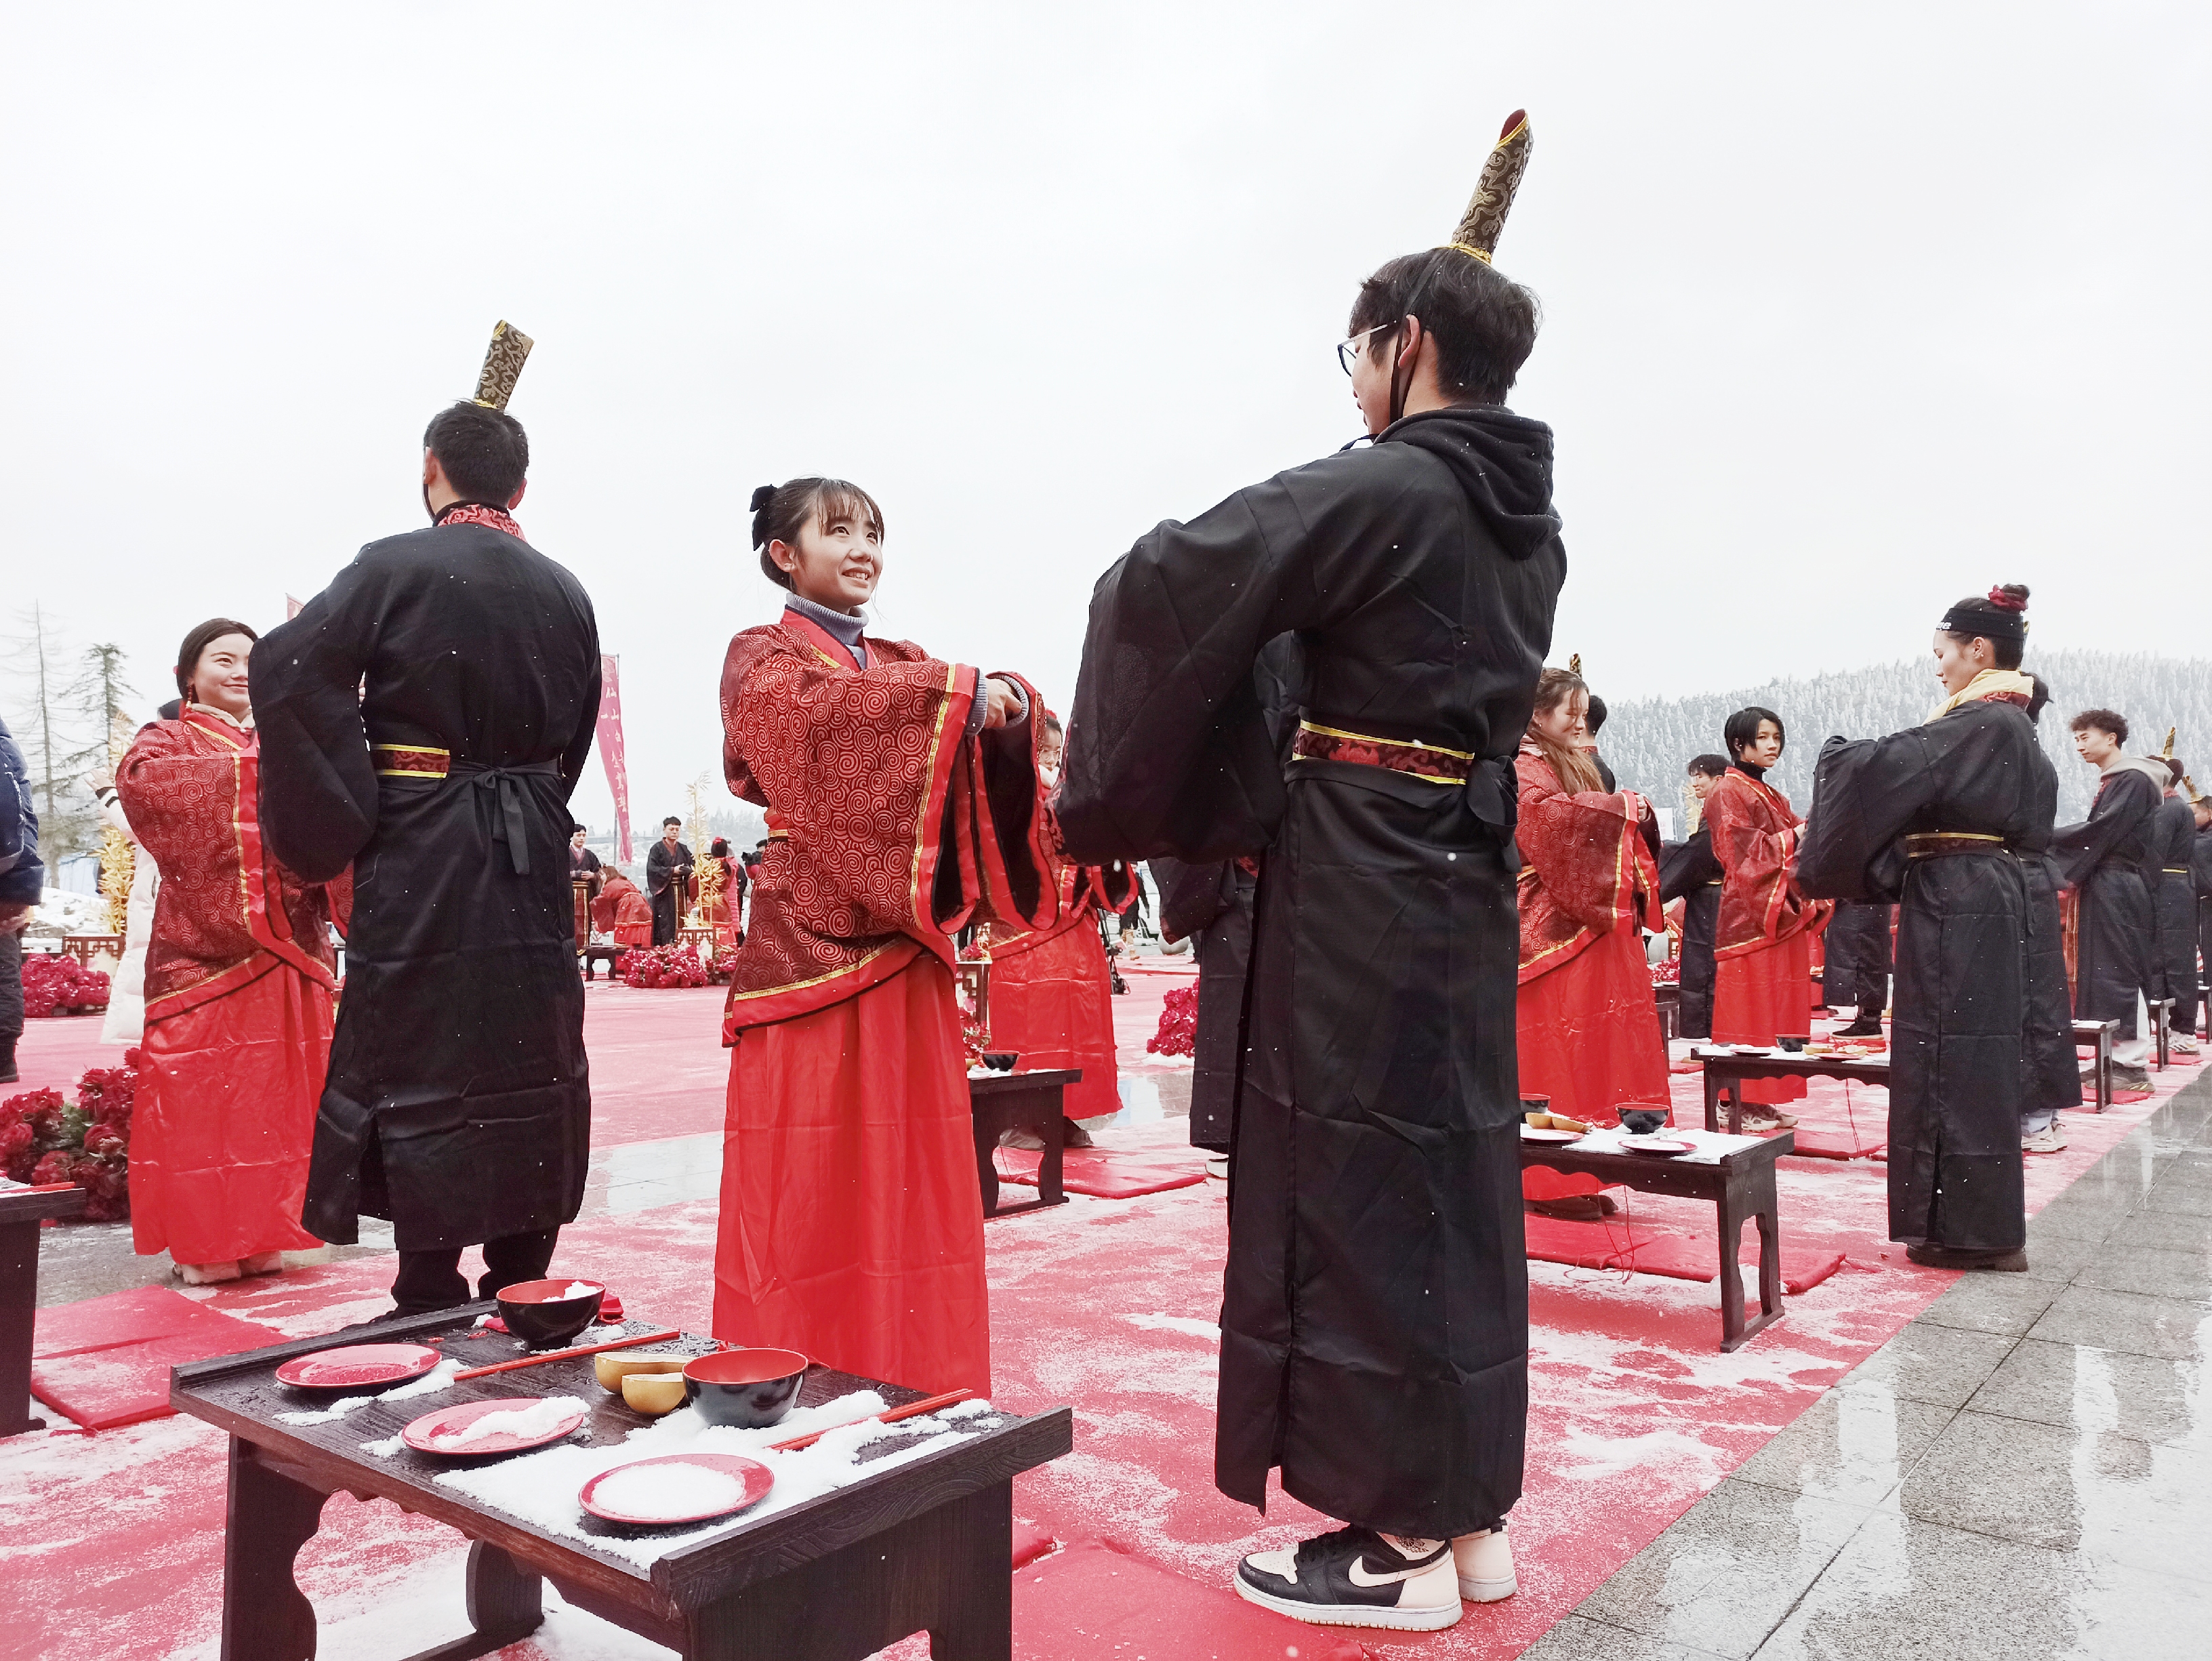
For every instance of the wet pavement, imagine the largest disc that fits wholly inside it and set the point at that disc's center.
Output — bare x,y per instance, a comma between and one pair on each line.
2025,1470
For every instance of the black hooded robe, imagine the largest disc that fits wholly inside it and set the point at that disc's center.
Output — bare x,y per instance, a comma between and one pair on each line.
2108,862
457,1102
1959,1053
2173,972
1689,872
1374,1325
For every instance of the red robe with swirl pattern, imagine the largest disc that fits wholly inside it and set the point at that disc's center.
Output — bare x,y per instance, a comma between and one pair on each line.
852,1225
1763,947
1588,1026
239,996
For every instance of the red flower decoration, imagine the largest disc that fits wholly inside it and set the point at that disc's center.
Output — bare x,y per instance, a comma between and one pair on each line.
1178,1032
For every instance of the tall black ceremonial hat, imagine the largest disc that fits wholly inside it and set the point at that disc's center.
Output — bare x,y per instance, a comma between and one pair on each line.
1479,226
503,365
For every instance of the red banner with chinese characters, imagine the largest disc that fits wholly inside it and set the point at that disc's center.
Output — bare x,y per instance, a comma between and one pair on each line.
610,751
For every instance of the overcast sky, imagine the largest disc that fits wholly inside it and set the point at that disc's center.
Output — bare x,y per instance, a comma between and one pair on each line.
1849,311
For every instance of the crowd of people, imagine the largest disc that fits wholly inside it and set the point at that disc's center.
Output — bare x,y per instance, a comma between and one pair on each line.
1321,713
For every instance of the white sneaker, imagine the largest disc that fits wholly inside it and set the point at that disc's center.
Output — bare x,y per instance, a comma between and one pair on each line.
1355,1577
2045,1141
206,1274
2181,1044
1485,1563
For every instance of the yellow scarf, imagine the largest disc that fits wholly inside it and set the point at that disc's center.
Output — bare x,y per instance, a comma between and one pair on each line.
1989,683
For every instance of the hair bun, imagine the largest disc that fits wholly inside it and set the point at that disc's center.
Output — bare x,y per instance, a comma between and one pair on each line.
2010,596
763,496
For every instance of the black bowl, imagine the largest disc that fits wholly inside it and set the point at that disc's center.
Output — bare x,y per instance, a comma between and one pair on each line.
1642,1121
1536,1104
747,1388
535,1311
1793,1045
1001,1060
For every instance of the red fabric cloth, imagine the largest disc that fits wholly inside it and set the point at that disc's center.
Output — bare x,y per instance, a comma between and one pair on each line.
852,1228
1760,996
239,980
1587,1024
226,1121
1052,1000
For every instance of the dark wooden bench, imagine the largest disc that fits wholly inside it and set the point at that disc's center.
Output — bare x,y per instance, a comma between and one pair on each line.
23,1211
1021,1101
1725,1073
927,1546
1667,995
1734,1173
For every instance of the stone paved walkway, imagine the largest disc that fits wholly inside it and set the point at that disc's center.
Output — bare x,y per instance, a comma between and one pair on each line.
2025,1470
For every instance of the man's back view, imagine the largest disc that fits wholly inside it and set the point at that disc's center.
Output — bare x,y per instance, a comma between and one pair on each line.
424,720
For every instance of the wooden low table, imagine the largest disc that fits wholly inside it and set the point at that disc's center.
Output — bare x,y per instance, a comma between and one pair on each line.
1667,995
1736,1173
1011,1101
592,956
2101,1035
22,1212
1725,1072
927,1546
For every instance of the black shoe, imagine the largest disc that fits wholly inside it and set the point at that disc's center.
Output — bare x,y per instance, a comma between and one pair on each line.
1936,1257
8,1073
1354,1577
1863,1027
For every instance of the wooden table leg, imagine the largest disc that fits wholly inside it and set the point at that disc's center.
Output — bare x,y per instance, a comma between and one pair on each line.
1712,1099
264,1615
1731,1226
987,1142
944,1573
1736,1107
1053,1132
2164,1017
19,1314
2104,1068
1750,1196
506,1603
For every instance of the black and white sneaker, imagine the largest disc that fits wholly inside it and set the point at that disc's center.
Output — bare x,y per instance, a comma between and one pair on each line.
1355,1577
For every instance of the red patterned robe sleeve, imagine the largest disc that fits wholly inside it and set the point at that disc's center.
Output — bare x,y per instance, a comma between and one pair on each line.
190,788
888,826
1754,837
1586,867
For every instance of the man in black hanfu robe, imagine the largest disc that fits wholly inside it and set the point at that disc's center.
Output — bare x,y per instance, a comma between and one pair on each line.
1689,872
1939,818
668,880
2174,968
1374,1323
2108,863
424,718
1855,965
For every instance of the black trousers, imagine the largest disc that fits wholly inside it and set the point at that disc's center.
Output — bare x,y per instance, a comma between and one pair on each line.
11,988
664,916
1701,911
431,1281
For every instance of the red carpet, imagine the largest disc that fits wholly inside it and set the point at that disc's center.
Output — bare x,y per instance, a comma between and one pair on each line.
1102,1172
114,1541
106,1361
1092,1601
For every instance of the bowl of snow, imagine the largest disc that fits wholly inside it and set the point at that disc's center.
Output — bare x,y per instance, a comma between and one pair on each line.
681,1487
747,1388
546,1312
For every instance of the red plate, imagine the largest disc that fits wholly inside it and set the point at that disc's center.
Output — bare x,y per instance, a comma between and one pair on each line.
757,1478
446,1422
1666,1146
1530,1133
357,1365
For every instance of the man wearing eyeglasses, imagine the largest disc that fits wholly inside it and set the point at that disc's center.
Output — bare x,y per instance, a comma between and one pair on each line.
1374,1325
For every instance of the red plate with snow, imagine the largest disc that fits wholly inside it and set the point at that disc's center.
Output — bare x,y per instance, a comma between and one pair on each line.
357,1366
425,1433
1530,1133
1668,1146
647,1493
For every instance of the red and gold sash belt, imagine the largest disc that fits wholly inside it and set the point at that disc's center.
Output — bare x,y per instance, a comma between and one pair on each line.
1422,761
410,761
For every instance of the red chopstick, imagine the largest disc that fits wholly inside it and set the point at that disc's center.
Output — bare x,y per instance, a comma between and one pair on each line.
564,1354
912,1409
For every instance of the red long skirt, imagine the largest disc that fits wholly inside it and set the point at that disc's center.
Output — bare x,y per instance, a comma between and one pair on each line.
225,1121
1055,1004
1760,996
852,1225
1589,1039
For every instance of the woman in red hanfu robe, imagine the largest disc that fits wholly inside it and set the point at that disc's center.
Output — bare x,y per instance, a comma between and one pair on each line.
851,1226
239,988
1051,996
1588,1025
621,911
1762,946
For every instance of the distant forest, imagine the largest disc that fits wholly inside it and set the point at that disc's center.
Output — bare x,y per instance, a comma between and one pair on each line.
1648,741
